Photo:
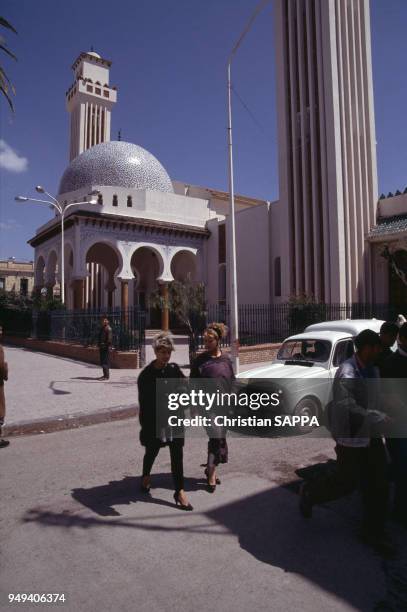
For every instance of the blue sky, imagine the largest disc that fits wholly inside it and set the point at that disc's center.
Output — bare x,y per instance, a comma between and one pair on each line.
169,66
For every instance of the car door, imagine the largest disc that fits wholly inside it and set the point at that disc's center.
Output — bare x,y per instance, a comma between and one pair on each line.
344,349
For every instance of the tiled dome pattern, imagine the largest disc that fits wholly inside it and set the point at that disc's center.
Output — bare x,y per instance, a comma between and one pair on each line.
116,163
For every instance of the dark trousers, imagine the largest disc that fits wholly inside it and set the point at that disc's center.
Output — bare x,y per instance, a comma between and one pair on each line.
398,452
177,463
217,451
105,361
363,468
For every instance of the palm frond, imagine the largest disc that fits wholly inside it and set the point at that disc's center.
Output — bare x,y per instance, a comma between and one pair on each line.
5,84
4,48
7,24
4,78
5,94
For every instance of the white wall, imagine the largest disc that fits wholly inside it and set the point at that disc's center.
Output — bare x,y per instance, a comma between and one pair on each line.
394,205
252,255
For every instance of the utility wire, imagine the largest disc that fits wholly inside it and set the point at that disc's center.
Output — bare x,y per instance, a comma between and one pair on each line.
254,119
259,125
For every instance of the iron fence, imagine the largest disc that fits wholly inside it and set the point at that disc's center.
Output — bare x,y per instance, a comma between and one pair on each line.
258,323
265,323
83,326
15,321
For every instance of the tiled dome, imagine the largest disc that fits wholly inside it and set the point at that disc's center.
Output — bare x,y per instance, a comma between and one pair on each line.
116,163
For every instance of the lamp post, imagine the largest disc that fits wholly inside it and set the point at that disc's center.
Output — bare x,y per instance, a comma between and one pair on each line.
61,210
234,318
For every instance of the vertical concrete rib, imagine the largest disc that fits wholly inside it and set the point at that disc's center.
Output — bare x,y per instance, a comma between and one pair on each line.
297,246
323,158
364,179
314,146
338,24
371,160
358,196
349,155
304,175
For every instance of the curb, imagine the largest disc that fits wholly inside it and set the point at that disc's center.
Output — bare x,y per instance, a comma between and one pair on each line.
74,421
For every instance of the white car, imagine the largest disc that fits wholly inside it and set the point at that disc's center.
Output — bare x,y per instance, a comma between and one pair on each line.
306,364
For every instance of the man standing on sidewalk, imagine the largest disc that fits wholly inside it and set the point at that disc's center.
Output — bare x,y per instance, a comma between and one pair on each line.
105,345
3,377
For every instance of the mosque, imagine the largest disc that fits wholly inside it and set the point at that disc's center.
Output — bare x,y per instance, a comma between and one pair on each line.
328,236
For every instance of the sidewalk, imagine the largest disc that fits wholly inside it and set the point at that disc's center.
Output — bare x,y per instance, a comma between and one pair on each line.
47,393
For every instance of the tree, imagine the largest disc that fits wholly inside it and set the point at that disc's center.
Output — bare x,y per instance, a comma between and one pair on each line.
395,265
6,86
186,300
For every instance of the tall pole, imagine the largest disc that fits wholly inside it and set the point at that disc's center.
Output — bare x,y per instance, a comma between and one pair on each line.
234,315
62,259
234,319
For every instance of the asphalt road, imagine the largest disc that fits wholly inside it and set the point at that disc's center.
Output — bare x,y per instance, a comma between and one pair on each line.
73,521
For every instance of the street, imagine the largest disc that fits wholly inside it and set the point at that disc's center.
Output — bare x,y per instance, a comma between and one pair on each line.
74,522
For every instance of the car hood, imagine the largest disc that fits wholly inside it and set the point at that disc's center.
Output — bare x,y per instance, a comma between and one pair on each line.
280,370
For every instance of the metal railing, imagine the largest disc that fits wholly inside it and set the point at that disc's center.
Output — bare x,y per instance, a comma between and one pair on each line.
16,322
258,323
83,326
266,323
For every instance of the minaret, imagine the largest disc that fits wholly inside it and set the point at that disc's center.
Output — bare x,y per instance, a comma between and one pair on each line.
89,101
327,147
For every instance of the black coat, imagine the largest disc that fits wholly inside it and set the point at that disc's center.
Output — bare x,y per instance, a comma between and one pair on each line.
148,408
394,371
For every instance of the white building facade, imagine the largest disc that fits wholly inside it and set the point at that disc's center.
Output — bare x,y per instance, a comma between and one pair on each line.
145,231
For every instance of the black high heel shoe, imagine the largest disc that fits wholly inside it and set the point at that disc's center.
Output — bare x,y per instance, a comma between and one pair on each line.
177,500
144,488
218,481
210,487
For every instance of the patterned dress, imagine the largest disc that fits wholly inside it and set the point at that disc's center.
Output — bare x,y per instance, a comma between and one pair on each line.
219,368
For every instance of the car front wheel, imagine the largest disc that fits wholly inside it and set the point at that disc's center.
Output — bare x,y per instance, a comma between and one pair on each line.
307,407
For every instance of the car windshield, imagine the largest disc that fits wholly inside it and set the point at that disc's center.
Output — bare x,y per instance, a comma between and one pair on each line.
305,350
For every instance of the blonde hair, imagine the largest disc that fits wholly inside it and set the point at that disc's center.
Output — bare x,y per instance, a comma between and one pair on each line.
218,329
163,340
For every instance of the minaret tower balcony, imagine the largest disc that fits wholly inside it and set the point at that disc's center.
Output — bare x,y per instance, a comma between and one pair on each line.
90,100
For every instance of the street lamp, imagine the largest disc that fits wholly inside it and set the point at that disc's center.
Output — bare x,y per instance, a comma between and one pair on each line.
61,210
234,319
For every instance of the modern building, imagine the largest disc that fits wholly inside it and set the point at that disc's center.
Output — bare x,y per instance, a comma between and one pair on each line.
16,276
327,148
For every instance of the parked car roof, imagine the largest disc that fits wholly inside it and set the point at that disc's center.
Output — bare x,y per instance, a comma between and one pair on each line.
324,334
349,326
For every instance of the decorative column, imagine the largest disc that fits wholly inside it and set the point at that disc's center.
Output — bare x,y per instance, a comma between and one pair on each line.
165,313
78,286
125,299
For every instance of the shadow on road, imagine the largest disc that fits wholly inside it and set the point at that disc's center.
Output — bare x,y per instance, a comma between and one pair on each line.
323,551
85,377
103,498
57,391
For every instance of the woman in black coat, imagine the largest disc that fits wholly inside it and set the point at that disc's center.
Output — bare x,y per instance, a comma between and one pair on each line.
150,427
